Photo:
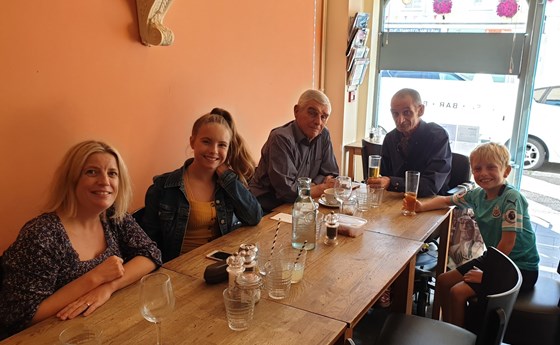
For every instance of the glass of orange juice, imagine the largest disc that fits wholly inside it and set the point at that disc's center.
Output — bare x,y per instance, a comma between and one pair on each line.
412,179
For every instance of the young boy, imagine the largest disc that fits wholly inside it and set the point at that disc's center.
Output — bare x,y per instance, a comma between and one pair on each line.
503,219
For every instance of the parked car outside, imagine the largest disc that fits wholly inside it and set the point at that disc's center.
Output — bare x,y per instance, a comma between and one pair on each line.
543,143
477,108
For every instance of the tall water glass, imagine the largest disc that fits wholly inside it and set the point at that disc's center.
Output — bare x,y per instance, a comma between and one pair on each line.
412,179
156,299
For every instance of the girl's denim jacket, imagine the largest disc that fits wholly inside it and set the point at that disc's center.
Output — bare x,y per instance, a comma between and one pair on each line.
167,209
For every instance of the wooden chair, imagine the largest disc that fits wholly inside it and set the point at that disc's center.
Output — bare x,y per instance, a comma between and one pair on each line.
502,279
535,318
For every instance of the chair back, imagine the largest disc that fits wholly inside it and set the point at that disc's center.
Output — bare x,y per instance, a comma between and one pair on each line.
138,215
460,171
501,282
368,149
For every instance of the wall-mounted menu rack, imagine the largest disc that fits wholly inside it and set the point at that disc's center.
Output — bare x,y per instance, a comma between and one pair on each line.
357,52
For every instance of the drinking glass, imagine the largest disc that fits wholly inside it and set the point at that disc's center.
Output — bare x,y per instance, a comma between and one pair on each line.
239,309
81,334
342,189
349,207
374,166
362,196
279,277
156,299
375,195
265,255
412,179
297,256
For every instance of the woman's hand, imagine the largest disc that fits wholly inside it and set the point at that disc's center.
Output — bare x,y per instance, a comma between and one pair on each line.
222,168
86,304
473,276
110,269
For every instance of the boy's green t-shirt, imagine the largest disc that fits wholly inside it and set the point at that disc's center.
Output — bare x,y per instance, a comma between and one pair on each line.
507,212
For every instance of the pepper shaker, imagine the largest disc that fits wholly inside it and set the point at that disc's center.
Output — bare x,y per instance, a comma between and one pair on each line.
331,223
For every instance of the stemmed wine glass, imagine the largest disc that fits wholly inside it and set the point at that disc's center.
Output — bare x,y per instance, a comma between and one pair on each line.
342,190
156,299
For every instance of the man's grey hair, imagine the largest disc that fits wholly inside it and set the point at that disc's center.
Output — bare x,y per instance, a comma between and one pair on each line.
415,95
314,95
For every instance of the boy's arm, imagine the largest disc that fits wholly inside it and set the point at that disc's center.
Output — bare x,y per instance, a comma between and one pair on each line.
435,203
507,242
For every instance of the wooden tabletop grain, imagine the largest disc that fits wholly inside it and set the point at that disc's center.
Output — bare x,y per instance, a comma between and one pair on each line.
339,286
340,282
199,318
388,219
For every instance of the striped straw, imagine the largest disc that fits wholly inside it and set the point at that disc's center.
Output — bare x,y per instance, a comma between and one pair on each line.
300,251
274,241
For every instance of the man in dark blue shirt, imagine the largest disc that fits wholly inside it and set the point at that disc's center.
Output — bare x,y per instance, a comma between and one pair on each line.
414,145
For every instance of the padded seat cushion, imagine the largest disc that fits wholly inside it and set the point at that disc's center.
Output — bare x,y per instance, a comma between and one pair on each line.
535,318
400,329
543,299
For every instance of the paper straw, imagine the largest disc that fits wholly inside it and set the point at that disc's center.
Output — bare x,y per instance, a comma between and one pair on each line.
300,251
274,241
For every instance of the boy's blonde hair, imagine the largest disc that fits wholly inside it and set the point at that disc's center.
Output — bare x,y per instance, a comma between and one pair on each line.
491,152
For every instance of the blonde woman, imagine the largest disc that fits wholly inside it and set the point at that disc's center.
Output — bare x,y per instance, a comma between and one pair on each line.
69,260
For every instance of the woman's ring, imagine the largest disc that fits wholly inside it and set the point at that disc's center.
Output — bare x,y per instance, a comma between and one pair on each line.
88,304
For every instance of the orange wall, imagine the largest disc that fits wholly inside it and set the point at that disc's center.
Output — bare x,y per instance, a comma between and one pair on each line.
73,70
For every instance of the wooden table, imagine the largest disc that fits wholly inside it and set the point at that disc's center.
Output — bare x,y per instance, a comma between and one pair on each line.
351,150
340,282
199,318
387,219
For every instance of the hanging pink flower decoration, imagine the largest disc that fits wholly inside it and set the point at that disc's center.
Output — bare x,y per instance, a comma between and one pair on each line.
442,6
507,8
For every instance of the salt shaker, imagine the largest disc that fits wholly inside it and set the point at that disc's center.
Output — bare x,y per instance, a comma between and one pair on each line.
331,223
249,281
234,269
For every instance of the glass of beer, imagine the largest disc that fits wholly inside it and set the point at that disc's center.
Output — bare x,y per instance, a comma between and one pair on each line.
412,179
374,166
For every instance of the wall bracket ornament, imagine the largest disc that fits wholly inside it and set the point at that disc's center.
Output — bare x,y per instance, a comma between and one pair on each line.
150,22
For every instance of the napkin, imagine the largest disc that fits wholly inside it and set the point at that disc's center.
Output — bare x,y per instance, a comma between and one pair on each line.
282,217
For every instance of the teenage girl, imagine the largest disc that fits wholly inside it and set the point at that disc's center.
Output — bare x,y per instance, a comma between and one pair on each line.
207,197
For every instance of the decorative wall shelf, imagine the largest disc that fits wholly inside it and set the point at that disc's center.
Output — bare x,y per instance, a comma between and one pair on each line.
150,22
